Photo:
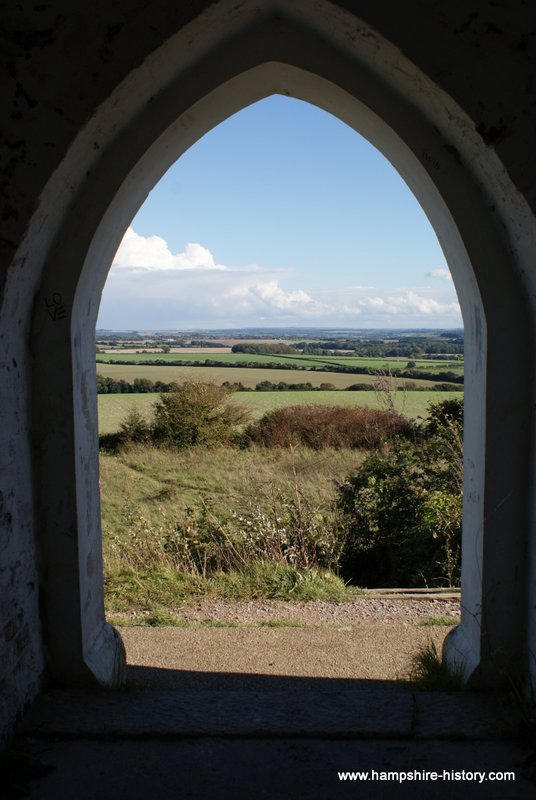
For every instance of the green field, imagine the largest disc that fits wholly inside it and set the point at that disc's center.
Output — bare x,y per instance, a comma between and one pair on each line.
249,377
304,361
113,407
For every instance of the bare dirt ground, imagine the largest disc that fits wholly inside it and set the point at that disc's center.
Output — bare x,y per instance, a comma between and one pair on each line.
365,639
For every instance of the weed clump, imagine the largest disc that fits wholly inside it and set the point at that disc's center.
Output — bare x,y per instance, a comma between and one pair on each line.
429,673
200,543
443,621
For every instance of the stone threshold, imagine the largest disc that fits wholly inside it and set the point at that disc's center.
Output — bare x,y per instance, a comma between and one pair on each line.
366,713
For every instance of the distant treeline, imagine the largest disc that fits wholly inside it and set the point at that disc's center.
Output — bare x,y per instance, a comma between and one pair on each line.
370,348
204,343
265,349
106,385
205,362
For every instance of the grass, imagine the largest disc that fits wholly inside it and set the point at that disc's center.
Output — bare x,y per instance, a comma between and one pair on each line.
304,361
223,358
162,617
439,621
160,481
217,523
113,407
249,376
155,592
427,365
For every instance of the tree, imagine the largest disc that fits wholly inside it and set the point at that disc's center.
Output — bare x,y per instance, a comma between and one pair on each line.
134,427
143,385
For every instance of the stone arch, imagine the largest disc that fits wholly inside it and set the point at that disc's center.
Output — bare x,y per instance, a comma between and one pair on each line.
225,59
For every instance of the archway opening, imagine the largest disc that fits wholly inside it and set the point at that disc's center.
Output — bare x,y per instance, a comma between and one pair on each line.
474,244
309,310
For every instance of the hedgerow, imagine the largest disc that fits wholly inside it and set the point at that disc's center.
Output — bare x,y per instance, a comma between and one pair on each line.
318,427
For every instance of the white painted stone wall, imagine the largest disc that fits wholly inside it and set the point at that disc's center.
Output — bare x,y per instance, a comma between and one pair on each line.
78,84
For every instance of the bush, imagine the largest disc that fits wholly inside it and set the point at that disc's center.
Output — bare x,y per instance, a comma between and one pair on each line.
444,416
328,426
402,509
196,413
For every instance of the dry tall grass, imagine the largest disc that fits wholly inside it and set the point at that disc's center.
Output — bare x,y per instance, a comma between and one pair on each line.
223,521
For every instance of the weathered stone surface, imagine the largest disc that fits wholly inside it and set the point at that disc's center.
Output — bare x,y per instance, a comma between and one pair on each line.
364,713
242,769
354,713
464,715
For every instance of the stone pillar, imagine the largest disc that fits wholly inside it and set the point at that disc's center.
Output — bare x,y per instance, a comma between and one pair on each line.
80,647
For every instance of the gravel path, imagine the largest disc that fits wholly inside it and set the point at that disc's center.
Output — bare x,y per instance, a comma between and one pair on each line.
315,612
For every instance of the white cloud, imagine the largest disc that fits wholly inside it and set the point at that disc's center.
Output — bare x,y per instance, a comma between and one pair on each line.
149,287
153,253
397,306
407,302
269,297
440,274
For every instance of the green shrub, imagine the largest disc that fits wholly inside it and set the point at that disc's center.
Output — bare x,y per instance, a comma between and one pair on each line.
444,417
110,442
402,510
134,427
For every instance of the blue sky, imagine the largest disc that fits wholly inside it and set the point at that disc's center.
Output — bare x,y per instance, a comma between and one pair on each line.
282,215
